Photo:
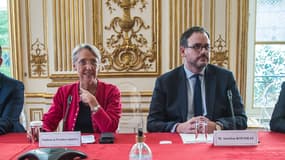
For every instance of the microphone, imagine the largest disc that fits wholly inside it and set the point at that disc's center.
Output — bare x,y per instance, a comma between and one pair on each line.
69,99
230,99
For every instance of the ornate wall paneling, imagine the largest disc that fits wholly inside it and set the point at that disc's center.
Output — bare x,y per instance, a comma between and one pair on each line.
37,39
69,30
128,35
225,20
228,23
241,46
36,114
219,31
183,14
36,59
15,35
201,13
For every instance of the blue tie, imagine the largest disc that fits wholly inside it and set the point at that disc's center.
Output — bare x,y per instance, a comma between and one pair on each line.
198,110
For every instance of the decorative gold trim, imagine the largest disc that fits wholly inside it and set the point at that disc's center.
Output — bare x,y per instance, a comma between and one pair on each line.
242,38
228,26
141,93
15,39
183,14
45,22
39,111
244,47
135,110
200,11
133,99
27,11
212,15
38,60
171,19
220,52
214,20
64,27
37,103
38,95
45,28
126,52
123,94
56,65
237,68
69,31
37,53
266,42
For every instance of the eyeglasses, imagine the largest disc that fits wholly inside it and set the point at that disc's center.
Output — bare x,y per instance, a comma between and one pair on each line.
199,47
83,62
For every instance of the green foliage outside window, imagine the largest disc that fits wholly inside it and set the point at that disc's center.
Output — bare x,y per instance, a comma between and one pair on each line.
269,74
4,42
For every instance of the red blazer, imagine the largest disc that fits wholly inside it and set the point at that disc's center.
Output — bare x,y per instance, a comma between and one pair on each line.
106,119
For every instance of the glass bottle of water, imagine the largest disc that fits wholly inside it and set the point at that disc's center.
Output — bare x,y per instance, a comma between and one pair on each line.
140,150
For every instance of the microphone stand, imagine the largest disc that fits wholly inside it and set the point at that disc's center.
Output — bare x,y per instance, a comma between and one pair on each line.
69,99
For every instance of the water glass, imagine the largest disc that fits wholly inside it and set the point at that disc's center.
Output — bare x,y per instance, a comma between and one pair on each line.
34,130
201,130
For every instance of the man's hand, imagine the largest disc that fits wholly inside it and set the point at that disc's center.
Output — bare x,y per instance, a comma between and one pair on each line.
190,125
211,126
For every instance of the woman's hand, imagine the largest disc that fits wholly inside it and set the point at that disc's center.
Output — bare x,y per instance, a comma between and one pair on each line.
87,97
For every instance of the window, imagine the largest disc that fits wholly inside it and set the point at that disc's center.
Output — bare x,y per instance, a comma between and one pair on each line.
4,38
267,49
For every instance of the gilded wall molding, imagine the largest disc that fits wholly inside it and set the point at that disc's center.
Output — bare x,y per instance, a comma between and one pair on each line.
37,43
15,36
183,14
69,31
220,30
123,94
38,60
234,30
127,40
241,43
36,114
219,17
219,53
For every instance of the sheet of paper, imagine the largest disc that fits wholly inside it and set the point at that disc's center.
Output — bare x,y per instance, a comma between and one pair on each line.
87,139
190,138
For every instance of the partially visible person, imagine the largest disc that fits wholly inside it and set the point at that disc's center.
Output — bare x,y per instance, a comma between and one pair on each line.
11,103
196,91
88,105
277,122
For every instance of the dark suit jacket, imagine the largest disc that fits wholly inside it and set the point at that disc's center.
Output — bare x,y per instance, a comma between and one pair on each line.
277,122
169,100
11,104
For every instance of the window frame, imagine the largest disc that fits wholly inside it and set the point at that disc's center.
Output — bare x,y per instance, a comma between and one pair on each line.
259,113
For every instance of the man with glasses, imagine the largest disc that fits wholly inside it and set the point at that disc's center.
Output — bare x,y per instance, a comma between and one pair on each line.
11,103
196,91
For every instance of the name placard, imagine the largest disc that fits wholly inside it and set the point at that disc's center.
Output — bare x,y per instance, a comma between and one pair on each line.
59,139
235,138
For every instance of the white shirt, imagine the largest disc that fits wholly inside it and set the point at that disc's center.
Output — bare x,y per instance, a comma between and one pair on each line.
190,94
190,91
